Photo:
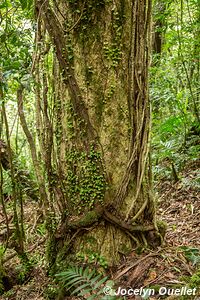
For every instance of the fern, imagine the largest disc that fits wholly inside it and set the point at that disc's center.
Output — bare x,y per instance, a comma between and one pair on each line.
85,283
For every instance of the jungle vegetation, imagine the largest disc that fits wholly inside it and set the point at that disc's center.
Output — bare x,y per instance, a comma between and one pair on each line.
99,103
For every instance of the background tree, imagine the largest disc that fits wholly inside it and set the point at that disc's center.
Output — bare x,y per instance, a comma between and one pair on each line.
174,90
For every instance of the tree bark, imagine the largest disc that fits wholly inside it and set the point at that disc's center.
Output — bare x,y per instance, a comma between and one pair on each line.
101,126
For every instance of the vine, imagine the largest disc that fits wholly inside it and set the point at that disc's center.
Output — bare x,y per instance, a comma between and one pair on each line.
86,183
113,50
86,13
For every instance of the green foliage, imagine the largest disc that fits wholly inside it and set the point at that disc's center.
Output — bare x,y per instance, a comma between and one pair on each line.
84,282
91,257
112,53
173,87
16,42
192,254
41,229
25,180
192,281
2,252
2,269
7,183
50,292
113,49
23,270
88,22
26,4
195,279
85,179
9,294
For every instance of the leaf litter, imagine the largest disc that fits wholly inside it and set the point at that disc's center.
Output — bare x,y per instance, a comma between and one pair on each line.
172,266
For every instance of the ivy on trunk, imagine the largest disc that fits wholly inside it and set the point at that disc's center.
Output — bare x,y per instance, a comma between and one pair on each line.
100,172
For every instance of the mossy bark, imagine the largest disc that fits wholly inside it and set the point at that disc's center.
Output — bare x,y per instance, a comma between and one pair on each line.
102,189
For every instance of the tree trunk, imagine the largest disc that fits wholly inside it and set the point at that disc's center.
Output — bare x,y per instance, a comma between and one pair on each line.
99,112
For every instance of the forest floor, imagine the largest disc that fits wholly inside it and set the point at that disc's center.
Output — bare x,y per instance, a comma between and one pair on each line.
172,266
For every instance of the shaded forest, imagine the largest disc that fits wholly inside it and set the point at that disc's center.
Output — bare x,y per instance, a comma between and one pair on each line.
99,149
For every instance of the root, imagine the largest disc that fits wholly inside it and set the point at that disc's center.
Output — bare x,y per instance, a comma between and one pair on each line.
140,211
123,225
89,219
144,240
134,239
117,276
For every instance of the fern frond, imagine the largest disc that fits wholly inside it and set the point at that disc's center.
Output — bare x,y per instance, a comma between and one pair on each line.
84,293
82,287
92,297
83,282
73,284
91,274
99,283
95,279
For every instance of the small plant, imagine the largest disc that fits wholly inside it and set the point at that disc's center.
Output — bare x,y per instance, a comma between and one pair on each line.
7,184
50,292
24,269
191,254
192,282
85,283
195,279
93,258
41,229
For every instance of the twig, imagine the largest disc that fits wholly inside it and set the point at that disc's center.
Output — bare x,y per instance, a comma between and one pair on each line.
135,264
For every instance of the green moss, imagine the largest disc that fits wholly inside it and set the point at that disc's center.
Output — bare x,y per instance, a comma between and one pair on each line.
51,292
87,220
51,253
195,279
162,227
70,121
124,249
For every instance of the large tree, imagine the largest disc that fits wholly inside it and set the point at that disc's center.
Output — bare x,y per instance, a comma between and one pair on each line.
93,121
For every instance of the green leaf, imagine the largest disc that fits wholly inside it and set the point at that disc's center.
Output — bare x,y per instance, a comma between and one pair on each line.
84,292
23,4
86,272
81,288
99,283
92,297
95,279
74,280
29,4
91,274
4,5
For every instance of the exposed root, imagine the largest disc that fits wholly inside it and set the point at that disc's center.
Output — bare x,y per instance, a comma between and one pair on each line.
117,276
123,225
140,211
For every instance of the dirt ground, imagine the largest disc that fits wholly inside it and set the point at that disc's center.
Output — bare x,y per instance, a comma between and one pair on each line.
172,268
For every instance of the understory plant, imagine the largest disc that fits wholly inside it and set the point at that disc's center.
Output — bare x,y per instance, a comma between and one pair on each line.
86,283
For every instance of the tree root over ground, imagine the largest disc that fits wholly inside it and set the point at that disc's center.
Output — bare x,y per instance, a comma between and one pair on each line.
170,266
